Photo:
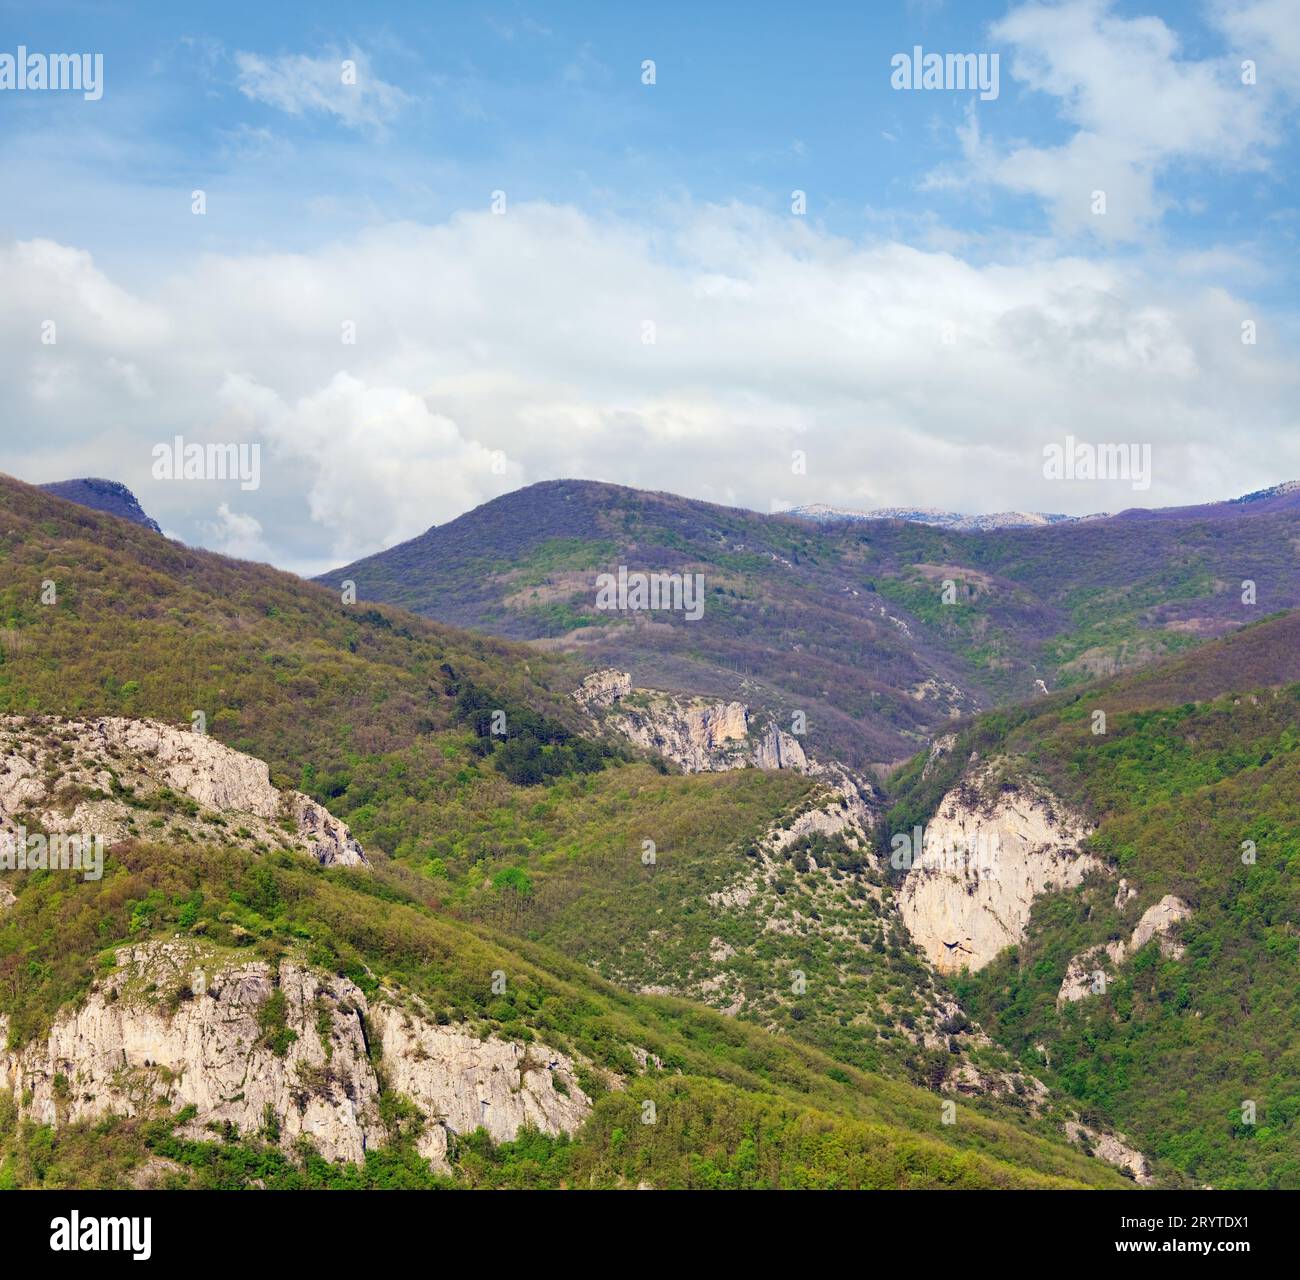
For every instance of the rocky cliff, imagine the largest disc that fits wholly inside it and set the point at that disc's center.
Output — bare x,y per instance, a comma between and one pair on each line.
697,734
987,854
117,778
284,1052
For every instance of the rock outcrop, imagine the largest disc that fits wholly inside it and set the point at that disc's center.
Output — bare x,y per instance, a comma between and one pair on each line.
179,1025
1088,972
113,777
697,734
844,912
103,495
462,1083
986,856
1112,1148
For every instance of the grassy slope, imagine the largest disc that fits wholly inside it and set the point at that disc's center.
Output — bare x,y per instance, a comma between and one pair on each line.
352,704
1172,1050
823,1123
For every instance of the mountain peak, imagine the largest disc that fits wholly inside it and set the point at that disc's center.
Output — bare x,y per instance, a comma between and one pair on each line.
103,495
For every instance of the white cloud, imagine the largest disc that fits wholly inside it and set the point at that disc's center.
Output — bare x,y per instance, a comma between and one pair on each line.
376,464
906,375
236,534
1137,105
1268,33
302,85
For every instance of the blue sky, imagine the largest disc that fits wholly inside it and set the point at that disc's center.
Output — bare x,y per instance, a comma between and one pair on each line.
485,359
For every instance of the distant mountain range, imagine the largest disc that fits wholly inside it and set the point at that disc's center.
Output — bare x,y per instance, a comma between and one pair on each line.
837,614
819,511
1280,497
103,495
878,630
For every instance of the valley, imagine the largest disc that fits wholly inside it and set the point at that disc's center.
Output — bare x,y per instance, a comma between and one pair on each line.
430,865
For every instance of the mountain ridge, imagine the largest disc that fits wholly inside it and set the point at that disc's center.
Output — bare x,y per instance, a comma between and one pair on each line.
877,631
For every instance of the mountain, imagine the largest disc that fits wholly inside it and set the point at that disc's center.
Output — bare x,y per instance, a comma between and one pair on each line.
387,719
468,904
1149,973
222,996
335,905
822,513
103,495
873,634
1279,498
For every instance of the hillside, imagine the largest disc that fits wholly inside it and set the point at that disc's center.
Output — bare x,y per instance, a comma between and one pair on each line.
384,719
1158,989
218,1004
845,621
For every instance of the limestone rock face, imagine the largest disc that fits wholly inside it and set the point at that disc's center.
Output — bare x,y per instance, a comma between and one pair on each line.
462,1083
1112,1148
604,688
1157,921
197,1041
207,771
328,839
1081,975
983,863
777,749
79,777
178,1024
698,735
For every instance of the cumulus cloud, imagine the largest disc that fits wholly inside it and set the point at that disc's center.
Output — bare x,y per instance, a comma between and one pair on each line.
236,534
1136,104
493,351
377,463
1268,33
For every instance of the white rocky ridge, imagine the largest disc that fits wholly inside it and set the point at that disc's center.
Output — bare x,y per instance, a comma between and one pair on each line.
1157,922
823,514
986,856
177,1024
113,777
697,734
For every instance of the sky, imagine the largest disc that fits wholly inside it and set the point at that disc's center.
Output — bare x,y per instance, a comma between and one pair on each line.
422,255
